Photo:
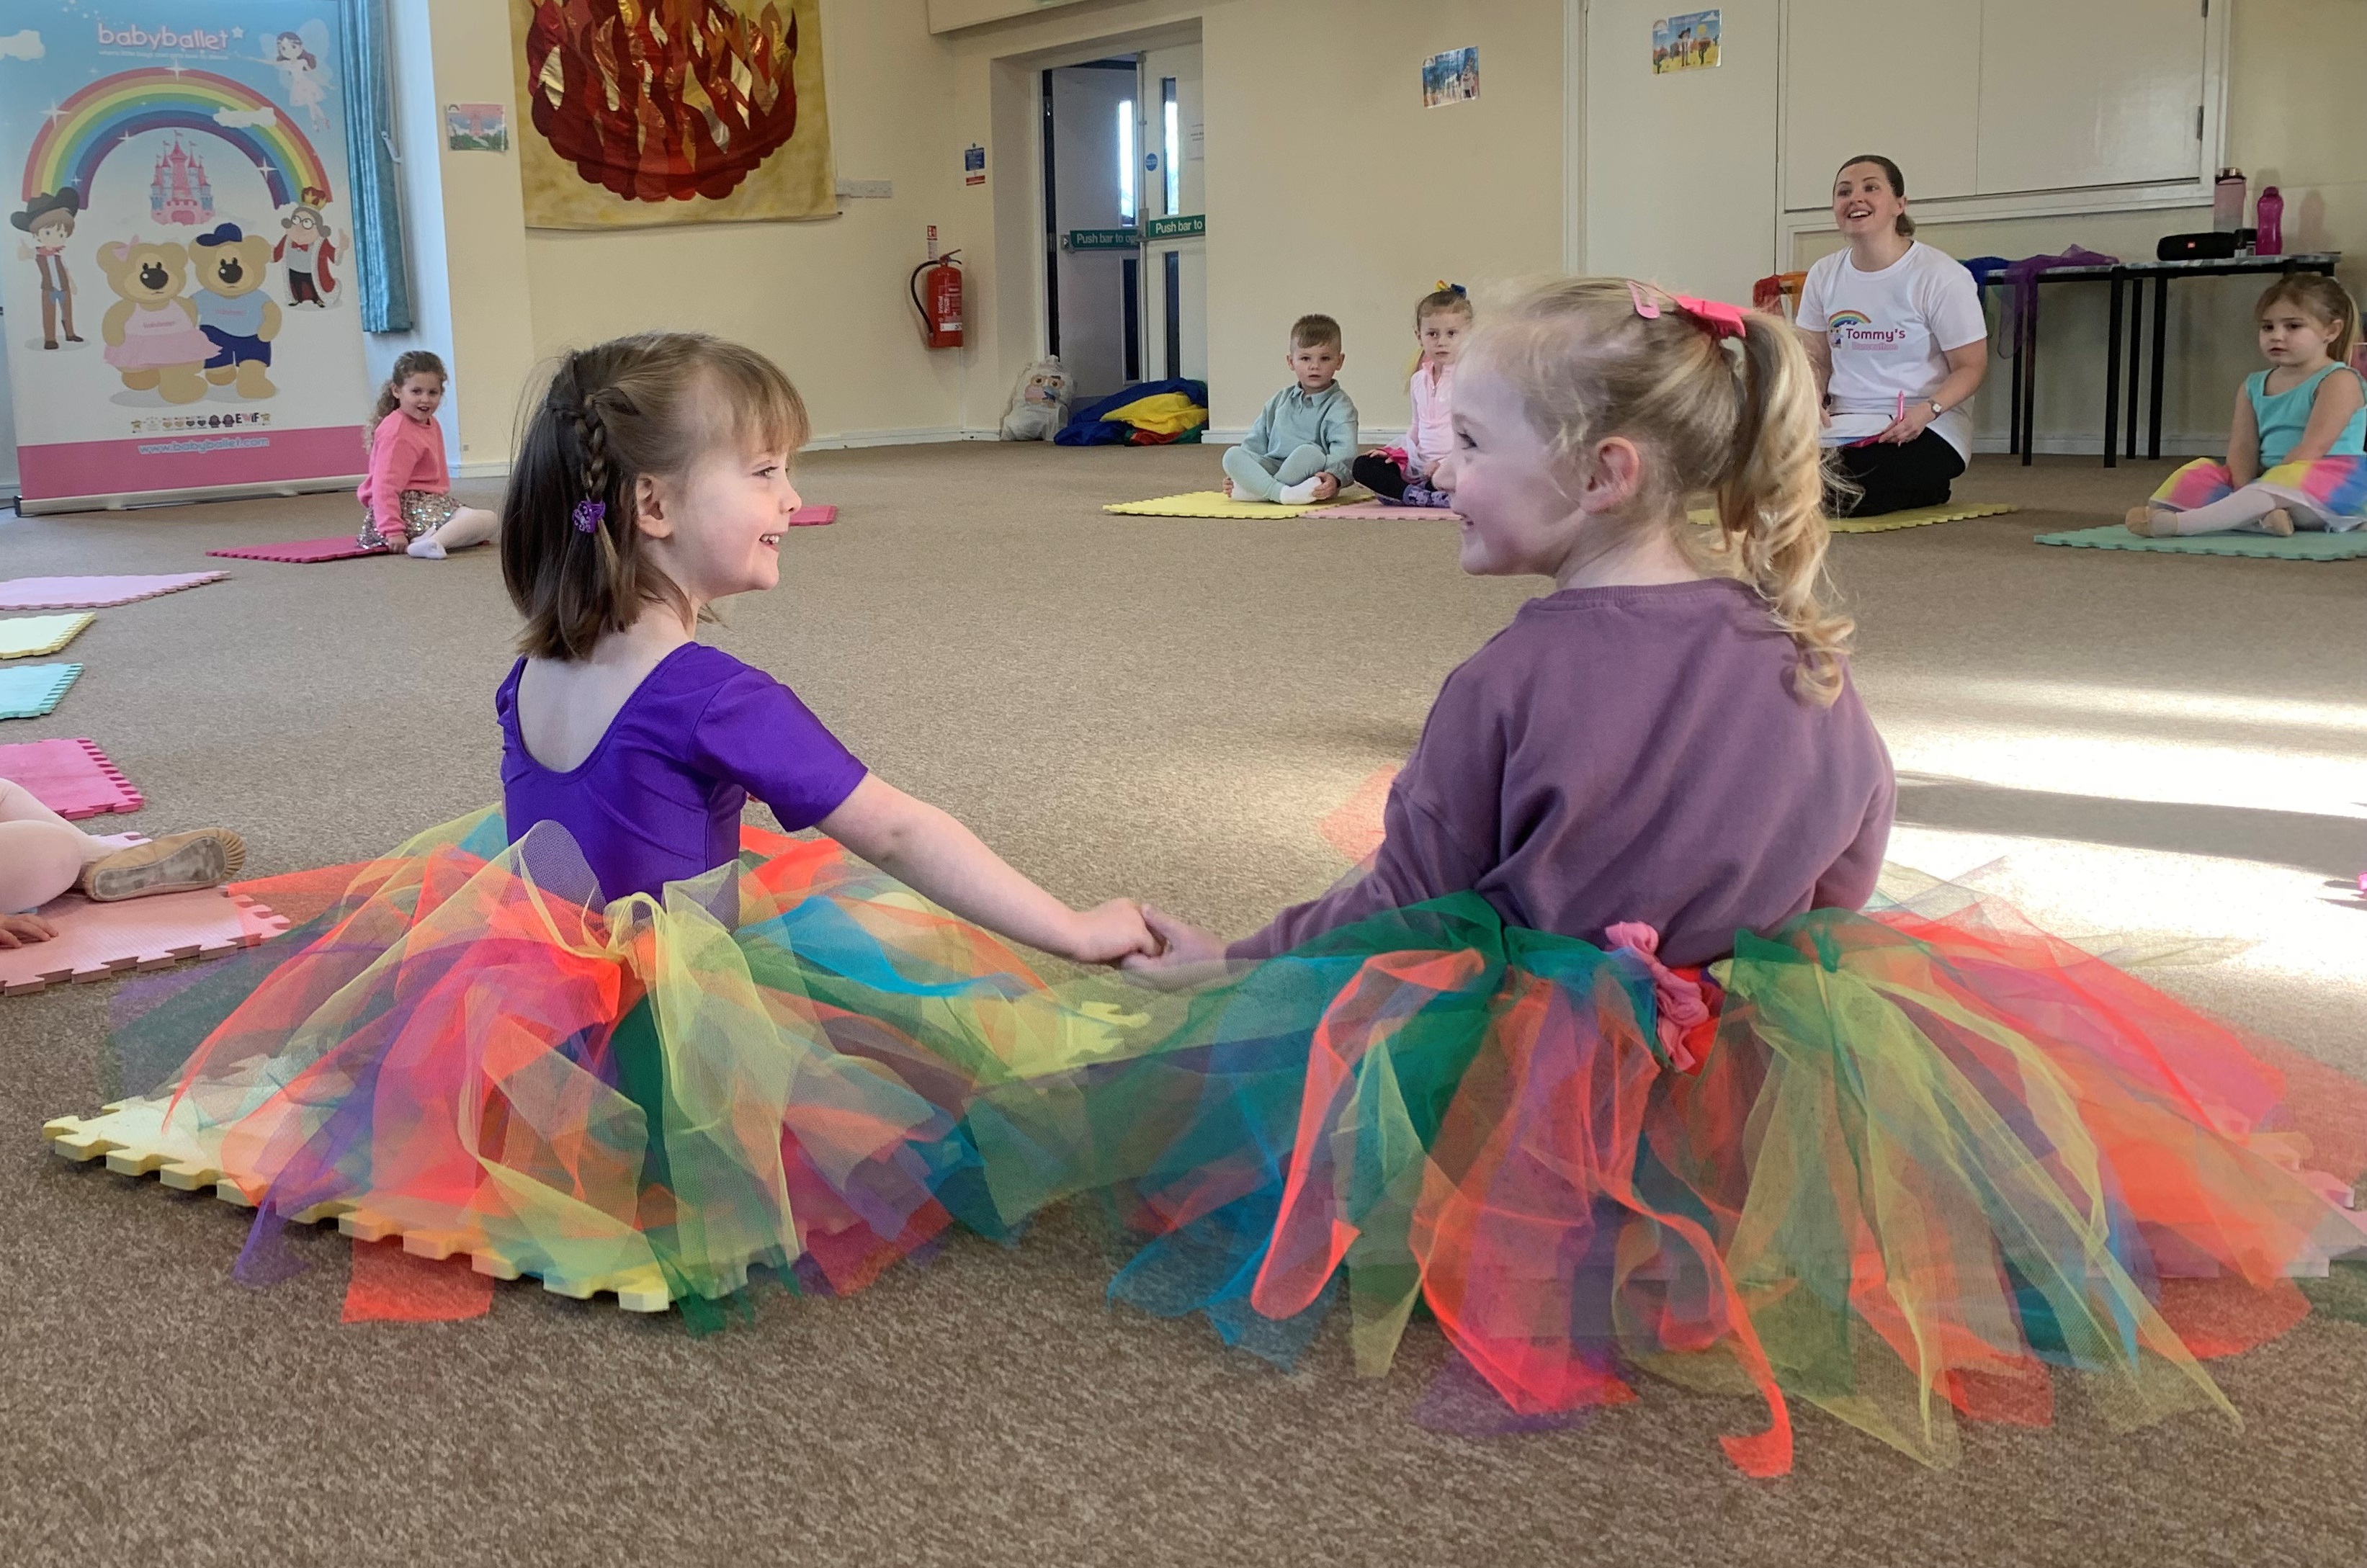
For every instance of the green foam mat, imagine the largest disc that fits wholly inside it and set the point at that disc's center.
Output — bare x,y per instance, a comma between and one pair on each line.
2311,544
34,689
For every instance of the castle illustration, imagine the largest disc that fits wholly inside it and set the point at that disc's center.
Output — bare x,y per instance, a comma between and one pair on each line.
180,193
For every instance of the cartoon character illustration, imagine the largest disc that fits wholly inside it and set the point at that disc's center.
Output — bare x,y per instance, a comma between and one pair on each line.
1039,404
302,70
237,317
152,332
50,219
308,249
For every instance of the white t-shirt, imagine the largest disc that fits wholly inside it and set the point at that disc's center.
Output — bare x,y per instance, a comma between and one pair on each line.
1891,332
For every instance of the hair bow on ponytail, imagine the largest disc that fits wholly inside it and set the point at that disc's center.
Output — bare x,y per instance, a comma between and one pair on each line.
1454,288
1719,320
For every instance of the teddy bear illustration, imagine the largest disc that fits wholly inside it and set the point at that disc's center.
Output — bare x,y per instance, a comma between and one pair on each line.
1039,403
152,332
237,317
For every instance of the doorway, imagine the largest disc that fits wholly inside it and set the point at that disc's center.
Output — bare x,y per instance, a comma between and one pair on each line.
1124,241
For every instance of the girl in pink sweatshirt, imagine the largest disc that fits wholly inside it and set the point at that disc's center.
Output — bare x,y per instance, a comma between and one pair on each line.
407,495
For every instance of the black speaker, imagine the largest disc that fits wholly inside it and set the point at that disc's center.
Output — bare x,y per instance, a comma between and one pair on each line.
2195,247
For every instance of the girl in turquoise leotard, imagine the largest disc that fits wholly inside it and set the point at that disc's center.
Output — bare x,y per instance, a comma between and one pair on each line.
2297,456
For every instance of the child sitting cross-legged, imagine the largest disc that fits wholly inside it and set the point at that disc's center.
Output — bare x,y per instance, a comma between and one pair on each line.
1304,443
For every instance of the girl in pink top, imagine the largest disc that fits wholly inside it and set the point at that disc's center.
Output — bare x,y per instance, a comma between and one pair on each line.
1441,322
407,495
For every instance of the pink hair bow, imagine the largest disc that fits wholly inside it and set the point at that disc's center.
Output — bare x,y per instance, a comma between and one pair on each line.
1682,1005
1719,320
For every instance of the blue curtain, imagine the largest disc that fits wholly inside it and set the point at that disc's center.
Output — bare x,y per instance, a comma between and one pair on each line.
381,261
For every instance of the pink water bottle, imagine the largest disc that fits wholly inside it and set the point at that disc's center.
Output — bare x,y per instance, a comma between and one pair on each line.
2270,218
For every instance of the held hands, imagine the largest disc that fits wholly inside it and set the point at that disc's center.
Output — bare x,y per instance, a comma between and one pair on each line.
16,931
1185,953
1109,933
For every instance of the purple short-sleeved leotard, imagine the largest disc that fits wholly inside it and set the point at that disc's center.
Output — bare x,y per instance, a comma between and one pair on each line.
659,798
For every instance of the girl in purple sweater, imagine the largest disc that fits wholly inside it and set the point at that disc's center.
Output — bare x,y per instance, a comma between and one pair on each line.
1600,1061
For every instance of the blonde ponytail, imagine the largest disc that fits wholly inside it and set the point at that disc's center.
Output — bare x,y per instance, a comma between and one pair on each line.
1586,364
1771,511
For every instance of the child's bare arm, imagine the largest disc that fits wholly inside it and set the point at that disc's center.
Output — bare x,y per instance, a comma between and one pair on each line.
2338,399
2244,442
928,851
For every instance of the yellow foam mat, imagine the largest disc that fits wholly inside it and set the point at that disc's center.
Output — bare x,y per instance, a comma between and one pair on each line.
27,636
1913,517
135,1140
1214,503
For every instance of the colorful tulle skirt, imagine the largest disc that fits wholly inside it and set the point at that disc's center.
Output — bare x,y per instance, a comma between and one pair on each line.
2329,493
1910,1166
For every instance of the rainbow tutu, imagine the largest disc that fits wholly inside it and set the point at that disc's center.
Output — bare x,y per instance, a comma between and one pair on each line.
2330,493
1911,1168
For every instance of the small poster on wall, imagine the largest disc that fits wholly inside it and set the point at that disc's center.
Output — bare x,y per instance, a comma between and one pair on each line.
1450,78
1685,43
476,127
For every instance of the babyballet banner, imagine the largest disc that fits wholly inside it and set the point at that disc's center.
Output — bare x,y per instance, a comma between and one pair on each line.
177,274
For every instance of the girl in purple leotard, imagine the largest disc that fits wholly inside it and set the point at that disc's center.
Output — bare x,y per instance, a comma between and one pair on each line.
607,1035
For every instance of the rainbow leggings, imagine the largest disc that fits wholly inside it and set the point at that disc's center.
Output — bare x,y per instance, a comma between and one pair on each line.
2329,493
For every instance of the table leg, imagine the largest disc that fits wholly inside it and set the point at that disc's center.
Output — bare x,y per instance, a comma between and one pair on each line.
2029,371
2136,356
2112,374
2013,378
2160,345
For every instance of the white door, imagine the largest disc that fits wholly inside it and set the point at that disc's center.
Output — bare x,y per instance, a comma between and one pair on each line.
1093,202
1681,168
1175,182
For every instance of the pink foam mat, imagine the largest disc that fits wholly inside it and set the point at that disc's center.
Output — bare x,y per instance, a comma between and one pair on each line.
95,942
814,516
72,778
303,552
95,592
1375,510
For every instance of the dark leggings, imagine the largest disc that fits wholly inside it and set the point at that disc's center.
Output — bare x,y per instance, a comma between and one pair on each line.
1893,478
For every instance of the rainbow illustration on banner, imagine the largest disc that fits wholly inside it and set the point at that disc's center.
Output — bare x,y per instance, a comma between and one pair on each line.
108,113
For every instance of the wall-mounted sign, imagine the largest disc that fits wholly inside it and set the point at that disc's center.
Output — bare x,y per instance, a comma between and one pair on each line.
974,165
1685,43
1450,78
477,128
1104,239
1186,228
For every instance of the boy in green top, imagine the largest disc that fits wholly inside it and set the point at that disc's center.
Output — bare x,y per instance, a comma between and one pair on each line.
1304,442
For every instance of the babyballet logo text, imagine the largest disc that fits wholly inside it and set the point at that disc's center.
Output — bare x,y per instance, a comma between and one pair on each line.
194,41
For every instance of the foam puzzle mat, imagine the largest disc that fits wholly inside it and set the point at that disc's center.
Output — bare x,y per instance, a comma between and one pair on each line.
72,778
1382,512
96,942
95,592
1213,503
31,635
304,552
2310,546
32,691
1913,517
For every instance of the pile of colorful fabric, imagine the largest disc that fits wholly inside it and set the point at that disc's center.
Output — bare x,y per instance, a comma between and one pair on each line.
1150,414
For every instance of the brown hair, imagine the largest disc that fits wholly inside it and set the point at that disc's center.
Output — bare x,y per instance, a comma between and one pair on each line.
1587,364
2322,299
1890,171
1314,331
652,404
416,362
1444,301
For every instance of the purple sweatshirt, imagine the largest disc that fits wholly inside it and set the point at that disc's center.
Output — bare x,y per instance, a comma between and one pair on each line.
1628,754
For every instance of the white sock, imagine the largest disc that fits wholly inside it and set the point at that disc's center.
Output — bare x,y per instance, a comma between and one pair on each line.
1299,494
2225,515
426,548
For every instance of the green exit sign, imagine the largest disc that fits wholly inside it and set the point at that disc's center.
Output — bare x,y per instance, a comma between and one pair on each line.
1191,227
1104,239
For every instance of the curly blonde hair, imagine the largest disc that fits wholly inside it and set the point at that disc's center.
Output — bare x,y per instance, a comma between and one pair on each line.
1740,426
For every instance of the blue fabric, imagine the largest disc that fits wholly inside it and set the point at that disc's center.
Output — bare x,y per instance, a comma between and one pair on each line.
1090,425
2284,417
381,261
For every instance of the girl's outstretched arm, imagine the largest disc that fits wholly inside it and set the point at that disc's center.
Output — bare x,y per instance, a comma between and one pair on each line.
928,851
2244,442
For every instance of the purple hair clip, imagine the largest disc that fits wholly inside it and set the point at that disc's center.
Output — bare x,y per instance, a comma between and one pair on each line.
590,514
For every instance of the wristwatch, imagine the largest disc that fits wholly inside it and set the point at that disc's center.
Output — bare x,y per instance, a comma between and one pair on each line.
1937,409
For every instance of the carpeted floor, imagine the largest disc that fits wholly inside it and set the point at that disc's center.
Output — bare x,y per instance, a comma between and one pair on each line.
2161,747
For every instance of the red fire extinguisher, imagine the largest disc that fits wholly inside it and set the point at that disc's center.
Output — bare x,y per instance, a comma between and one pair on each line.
940,303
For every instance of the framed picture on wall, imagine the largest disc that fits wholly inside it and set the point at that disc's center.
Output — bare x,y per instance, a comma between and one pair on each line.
1450,78
1685,43
476,127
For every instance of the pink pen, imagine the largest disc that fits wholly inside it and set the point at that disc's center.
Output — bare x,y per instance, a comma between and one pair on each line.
1871,440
